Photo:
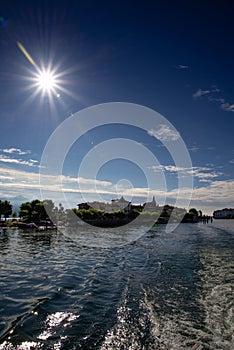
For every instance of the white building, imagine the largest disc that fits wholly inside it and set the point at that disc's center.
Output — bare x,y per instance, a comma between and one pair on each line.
223,213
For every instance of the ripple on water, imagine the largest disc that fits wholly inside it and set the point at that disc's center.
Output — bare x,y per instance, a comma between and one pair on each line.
164,291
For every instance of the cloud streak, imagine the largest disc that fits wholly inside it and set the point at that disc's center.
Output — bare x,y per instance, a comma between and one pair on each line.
15,151
194,149
182,66
203,174
164,133
200,93
24,180
227,107
30,162
224,105
210,195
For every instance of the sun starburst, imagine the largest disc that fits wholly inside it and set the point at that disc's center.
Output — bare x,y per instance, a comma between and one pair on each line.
46,81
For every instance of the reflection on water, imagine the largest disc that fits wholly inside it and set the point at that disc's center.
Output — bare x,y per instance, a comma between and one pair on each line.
161,291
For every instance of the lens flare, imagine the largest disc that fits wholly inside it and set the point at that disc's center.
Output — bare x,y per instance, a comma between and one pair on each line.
25,53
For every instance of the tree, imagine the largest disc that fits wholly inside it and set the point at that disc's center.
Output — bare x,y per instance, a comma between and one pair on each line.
61,213
36,210
193,211
5,209
40,212
49,210
25,211
200,213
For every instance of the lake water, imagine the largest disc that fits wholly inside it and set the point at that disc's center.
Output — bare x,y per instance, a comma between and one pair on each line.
161,291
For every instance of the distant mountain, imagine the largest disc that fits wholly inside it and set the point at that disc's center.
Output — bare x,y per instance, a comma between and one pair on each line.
19,198
16,201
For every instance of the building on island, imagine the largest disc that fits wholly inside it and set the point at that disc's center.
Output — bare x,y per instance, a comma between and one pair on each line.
150,206
115,205
137,207
120,204
167,210
84,206
223,213
127,207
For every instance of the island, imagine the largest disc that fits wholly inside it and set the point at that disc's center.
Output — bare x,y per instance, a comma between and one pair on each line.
44,215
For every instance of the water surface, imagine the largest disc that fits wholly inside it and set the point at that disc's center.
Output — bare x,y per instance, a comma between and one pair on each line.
161,291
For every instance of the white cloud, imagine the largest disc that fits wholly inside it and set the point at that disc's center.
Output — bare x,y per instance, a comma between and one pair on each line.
231,161
224,105
215,195
6,178
6,159
76,180
30,180
164,133
210,195
200,93
203,174
219,193
15,150
227,107
205,180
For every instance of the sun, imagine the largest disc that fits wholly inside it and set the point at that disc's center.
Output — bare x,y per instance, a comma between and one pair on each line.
48,84
46,81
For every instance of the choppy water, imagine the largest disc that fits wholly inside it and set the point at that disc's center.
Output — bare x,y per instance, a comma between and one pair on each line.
162,291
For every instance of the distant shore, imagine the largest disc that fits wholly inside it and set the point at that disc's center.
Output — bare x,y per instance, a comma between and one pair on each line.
44,215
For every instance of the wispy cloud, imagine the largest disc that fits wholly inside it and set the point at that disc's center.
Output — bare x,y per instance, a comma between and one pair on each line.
182,66
227,107
7,159
200,93
194,149
215,195
224,105
203,174
216,99
15,151
32,180
231,161
164,133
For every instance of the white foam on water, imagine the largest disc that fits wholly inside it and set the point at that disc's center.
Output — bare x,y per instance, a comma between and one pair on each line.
217,299
26,345
151,330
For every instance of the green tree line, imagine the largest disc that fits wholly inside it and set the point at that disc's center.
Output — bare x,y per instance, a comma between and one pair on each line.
38,211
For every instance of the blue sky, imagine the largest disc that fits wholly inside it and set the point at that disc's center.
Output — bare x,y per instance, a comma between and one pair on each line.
175,57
